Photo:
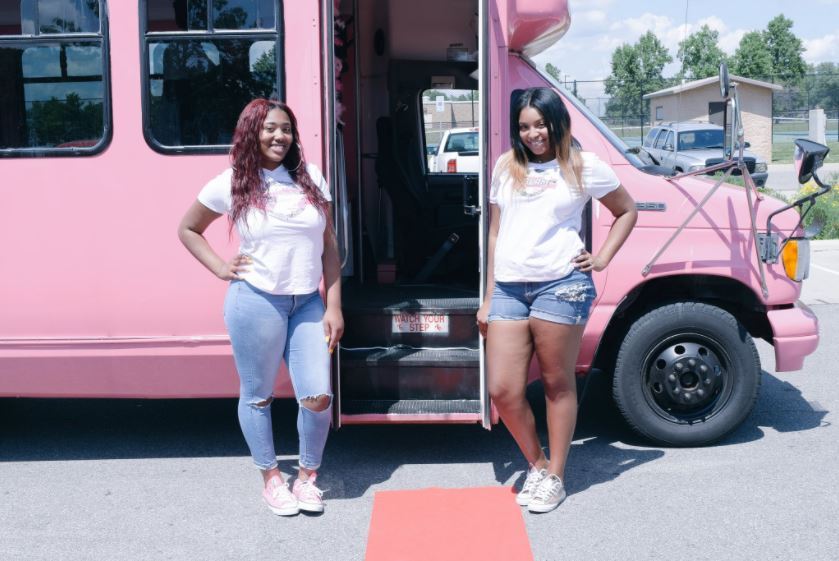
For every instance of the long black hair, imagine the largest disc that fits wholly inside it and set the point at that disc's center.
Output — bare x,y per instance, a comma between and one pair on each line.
558,121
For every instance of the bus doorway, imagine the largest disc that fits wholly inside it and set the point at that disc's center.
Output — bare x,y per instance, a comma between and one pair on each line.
410,230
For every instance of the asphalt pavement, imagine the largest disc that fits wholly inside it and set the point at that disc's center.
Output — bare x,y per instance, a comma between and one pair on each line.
131,479
782,178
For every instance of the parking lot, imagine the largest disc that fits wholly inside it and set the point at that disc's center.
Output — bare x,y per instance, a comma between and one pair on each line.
88,479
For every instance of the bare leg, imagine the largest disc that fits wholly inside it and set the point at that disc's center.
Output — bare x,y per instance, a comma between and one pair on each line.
557,346
509,351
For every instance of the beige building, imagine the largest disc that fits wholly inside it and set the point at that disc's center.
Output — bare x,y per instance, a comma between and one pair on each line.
700,101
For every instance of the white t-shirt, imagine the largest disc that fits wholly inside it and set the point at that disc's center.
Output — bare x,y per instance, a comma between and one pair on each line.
540,222
285,241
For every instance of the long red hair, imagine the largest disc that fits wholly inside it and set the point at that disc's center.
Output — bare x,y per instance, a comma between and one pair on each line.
247,185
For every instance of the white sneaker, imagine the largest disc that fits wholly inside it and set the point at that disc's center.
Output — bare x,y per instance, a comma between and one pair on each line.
534,477
548,495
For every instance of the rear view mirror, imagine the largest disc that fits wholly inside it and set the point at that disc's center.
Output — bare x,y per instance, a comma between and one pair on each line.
809,156
724,82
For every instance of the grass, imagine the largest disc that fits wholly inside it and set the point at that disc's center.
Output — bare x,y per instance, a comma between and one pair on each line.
782,152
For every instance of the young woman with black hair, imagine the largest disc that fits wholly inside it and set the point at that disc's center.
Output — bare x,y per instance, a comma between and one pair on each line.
539,286
280,207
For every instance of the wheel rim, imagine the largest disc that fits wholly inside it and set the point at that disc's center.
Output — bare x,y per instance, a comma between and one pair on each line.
687,378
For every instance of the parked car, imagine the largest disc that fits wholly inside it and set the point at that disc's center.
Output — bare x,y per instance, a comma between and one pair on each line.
457,152
699,145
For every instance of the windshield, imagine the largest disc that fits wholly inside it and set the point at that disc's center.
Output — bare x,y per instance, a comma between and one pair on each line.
462,142
700,139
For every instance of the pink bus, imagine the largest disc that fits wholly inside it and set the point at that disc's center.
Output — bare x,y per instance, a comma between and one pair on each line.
116,113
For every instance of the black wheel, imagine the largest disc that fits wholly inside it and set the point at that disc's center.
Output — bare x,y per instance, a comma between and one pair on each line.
686,374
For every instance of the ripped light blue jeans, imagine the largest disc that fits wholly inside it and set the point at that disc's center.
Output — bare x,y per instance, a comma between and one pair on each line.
264,330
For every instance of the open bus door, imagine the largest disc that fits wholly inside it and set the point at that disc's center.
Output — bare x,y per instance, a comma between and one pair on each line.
412,240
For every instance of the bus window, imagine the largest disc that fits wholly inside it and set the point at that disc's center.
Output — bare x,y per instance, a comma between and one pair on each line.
198,73
52,59
450,117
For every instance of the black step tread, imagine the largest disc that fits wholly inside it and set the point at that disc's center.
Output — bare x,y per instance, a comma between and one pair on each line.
409,406
405,297
409,356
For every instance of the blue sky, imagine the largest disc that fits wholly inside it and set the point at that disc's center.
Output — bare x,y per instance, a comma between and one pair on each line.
600,26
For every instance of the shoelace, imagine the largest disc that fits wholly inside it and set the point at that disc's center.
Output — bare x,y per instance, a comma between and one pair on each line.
309,487
534,477
549,487
277,490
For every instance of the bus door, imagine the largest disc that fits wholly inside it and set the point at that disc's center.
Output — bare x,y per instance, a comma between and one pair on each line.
410,236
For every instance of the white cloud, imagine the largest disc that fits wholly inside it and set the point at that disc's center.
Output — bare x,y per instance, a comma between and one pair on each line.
730,41
590,18
822,49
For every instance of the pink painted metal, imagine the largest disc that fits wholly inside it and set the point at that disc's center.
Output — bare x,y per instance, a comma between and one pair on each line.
98,298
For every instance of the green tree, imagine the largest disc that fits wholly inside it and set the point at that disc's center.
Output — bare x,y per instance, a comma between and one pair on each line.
820,87
785,49
56,121
635,70
700,55
752,58
553,71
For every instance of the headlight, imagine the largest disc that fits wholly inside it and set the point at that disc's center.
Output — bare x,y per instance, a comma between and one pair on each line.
696,167
760,166
796,258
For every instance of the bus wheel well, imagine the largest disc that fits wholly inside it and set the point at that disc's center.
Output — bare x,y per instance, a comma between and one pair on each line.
725,293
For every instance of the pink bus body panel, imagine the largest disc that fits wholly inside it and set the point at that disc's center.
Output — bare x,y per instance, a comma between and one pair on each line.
717,242
99,275
99,298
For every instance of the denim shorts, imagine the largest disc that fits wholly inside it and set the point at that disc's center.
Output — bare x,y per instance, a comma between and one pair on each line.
566,300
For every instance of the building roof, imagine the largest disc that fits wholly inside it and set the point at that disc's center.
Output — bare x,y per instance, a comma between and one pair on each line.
712,80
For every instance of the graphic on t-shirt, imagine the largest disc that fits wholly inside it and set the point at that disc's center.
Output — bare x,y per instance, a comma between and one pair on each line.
287,200
537,182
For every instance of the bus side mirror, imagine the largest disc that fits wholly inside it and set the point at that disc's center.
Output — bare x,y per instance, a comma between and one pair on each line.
725,84
809,156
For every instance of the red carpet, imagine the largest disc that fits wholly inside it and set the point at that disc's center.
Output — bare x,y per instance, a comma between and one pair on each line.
483,524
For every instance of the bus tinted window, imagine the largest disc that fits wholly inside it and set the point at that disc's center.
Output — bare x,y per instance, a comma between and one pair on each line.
176,15
197,88
67,16
192,15
53,91
11,19
244,14
196,85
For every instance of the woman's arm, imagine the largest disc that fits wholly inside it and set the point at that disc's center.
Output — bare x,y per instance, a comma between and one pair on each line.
622,207
191,233
483,312
333,319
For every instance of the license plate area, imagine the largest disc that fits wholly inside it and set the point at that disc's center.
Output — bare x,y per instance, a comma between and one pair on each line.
427,323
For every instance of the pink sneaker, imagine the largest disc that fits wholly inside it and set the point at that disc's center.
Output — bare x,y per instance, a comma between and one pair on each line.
279,499
309,497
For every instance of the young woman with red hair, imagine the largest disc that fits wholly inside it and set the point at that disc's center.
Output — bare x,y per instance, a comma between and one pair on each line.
280,207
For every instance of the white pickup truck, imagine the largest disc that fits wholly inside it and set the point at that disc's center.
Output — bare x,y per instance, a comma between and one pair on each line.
456,153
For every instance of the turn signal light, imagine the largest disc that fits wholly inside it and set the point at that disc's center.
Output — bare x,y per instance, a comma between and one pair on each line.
451,166
796,258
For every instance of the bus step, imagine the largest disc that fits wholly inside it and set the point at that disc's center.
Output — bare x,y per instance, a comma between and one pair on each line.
399,373
410,406
390,316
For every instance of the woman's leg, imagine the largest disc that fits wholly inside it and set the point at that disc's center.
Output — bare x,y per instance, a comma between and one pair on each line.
307,357
509,351
257,328
557,346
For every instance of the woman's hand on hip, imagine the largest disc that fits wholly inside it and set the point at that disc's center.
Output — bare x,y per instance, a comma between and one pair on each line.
482,318
230,270
586,262
333,327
